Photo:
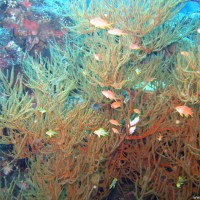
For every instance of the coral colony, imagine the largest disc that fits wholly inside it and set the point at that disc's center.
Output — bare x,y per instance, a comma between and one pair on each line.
100,100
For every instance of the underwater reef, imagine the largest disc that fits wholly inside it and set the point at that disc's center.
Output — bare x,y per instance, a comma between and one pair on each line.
100,100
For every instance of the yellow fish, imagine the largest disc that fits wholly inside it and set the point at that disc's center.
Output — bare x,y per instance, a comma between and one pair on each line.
138,71
101,132
42,110
112,185
51,133
180,182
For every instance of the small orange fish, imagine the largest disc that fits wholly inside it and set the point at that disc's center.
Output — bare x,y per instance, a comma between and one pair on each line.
116,31
137,111
98,57
116,104
160,137
114,122
151,79
184,111
115,130
185,53
109,94
178,122
134,46
100,23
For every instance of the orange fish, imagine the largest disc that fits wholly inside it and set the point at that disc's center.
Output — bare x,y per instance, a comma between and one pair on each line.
109,94
116,104
178,122
100,23
134,46
137,111
115,130
116,31
185,53
160,137
98,57
151,79
114,122
184,111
